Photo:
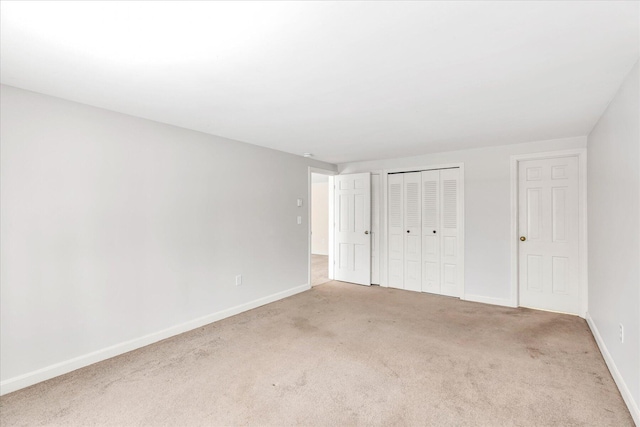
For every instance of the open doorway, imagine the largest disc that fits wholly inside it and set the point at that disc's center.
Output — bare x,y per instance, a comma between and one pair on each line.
320,240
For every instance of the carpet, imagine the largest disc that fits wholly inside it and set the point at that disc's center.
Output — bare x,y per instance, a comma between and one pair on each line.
342,354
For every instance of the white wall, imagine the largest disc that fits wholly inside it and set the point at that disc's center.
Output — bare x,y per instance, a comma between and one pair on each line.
115,227
487,208
320,217
614,234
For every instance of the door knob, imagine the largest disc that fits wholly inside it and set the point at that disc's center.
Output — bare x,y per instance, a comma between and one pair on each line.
408,231
434,231
522,238
366,232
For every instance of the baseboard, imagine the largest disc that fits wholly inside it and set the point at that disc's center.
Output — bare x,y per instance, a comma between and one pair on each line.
611,364
25,380
505,302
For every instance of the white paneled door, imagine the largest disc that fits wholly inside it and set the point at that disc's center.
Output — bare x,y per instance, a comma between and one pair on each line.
548,221
353,228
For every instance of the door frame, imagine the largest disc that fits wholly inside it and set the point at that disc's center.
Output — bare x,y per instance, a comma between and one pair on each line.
384,254
581,154
330,174
378,229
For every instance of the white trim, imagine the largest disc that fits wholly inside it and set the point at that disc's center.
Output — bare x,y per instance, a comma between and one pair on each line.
330,173
550,311
384,271
505,302
332,226
581,154
584,233
424,168
43,374
385,229
461,239
617,377
379,230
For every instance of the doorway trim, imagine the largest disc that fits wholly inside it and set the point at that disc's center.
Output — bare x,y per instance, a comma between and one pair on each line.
581,154
330,174
384,265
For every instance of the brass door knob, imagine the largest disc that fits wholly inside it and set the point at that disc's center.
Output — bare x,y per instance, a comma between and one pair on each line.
522,238
366,232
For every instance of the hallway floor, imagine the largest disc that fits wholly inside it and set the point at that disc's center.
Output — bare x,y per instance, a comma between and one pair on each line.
319,269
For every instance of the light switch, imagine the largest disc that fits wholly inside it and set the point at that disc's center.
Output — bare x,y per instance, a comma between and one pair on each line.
299,220
299,202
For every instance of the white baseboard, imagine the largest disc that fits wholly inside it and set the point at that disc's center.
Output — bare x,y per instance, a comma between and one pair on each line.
611,364
34,377
505,302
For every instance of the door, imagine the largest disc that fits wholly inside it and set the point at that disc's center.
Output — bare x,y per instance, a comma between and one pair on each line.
548,221
413,229
352,228
395,242
425,239
441,237
450,236
431,231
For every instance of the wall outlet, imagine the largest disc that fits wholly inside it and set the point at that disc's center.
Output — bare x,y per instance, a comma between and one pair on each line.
621,334
299,202
299,220
238,280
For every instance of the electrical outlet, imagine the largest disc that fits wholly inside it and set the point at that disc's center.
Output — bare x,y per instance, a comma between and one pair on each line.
299,220
621,333
238,280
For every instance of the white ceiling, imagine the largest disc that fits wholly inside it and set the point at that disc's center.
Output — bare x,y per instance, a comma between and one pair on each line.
346,81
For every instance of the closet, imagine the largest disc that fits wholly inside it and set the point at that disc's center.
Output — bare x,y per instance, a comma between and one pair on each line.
424,223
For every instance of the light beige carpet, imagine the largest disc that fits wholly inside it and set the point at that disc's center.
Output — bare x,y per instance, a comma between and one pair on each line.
343,354
319,269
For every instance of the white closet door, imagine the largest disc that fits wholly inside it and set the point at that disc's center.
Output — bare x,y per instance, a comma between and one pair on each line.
352,228
449,225
396,231
413,229
431,231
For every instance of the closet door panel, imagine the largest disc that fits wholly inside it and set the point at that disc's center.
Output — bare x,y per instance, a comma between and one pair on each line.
396,231
450,218
430,231
413,231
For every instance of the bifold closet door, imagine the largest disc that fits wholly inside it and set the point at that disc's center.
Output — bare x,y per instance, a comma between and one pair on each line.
396,230
413,229
424,239
450,218
431,231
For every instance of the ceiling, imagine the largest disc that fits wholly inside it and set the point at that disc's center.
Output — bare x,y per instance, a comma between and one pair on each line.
346,81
